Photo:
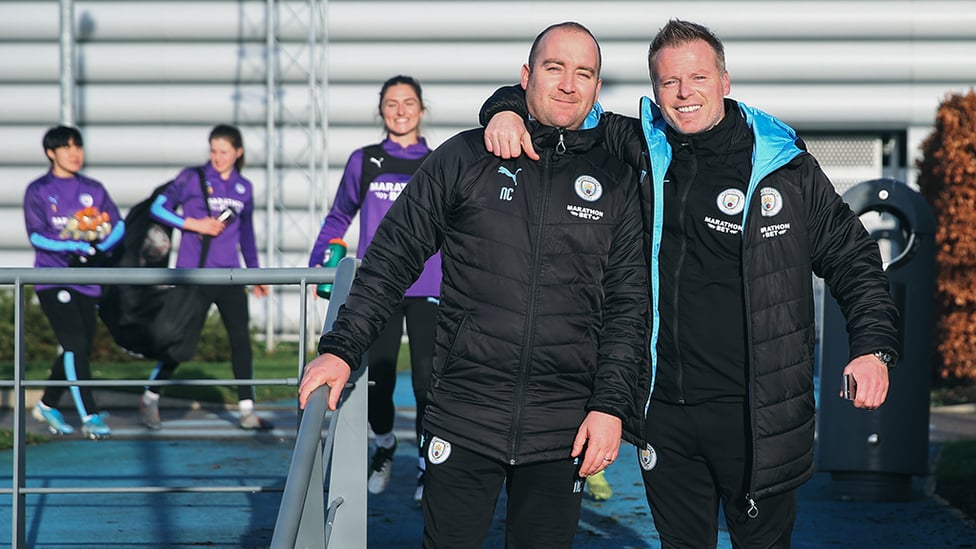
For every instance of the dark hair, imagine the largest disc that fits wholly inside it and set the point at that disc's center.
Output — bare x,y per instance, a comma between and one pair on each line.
402,79
572,25
232,135
678,33
61,136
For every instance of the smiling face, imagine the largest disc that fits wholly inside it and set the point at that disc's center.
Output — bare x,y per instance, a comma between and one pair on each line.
66,160
402,111
690,87
564,82
223,155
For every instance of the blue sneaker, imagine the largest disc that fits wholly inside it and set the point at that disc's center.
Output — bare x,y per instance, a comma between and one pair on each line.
55,421
93,427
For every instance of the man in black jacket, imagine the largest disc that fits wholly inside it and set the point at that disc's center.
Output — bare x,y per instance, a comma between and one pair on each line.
543,320
738,216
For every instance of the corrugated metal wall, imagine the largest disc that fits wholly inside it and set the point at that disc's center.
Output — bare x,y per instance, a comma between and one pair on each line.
153,76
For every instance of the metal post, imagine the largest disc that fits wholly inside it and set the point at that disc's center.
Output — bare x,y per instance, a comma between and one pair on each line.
271,53
347,477
348,473
325,84
314,115
319,104
19,503
304,525
67,62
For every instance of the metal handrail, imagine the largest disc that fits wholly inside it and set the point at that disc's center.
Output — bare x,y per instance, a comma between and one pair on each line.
302,520
20,277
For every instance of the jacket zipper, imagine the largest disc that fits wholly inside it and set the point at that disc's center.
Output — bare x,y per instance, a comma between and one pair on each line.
527,335
753,509
679,264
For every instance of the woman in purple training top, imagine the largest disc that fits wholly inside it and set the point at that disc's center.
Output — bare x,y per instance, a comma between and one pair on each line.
226,216
373,179
71,220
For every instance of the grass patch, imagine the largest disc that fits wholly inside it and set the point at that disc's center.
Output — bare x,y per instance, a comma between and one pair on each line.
955,393
955,475
7,439
281,364
277,366
955,472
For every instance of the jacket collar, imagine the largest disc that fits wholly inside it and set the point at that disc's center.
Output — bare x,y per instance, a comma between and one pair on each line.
548,138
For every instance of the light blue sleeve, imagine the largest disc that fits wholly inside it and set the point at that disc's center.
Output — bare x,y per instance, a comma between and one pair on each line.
113,238
159,211
60,246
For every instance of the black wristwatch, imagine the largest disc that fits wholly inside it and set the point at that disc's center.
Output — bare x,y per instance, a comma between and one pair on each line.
885,357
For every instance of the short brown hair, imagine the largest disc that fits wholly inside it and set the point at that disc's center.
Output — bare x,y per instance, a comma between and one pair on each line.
678,33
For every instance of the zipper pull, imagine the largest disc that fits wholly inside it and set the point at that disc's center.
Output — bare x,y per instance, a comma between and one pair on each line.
753,510
561,146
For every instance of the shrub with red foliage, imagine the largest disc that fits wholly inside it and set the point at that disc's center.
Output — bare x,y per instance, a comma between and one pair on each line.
947,180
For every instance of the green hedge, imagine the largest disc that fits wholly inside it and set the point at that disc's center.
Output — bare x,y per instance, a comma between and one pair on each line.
955,475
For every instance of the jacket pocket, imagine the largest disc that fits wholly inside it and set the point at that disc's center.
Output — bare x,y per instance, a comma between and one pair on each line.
441,367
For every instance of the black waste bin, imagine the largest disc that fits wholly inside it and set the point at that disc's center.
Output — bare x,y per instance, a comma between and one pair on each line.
872,456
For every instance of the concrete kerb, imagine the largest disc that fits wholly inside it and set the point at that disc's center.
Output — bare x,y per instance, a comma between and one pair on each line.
953,422
968,408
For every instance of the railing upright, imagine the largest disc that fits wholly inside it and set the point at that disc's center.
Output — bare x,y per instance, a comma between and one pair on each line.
303,520
19,518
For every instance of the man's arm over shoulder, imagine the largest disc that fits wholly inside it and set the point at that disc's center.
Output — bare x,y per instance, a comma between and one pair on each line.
506,138
506,98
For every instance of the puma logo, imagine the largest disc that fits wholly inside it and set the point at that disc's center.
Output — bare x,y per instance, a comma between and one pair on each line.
504,171
377,161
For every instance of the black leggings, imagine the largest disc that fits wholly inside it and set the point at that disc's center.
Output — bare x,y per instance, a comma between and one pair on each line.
232,304
421,315
72,317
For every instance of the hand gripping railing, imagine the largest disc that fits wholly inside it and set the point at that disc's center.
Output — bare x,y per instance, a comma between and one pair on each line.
303,520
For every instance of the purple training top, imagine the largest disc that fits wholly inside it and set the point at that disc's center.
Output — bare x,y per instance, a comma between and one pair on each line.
383,191
236,193
53,211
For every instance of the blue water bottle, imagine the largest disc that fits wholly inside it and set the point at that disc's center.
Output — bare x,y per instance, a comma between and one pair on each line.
335,252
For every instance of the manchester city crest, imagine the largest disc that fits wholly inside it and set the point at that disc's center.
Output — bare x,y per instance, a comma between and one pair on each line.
438,451
588,188
771,201
647,458
731,201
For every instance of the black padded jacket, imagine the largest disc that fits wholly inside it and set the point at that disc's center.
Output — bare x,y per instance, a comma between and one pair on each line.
544,304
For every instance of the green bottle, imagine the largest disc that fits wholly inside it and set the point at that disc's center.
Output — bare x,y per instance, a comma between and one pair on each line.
335,252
